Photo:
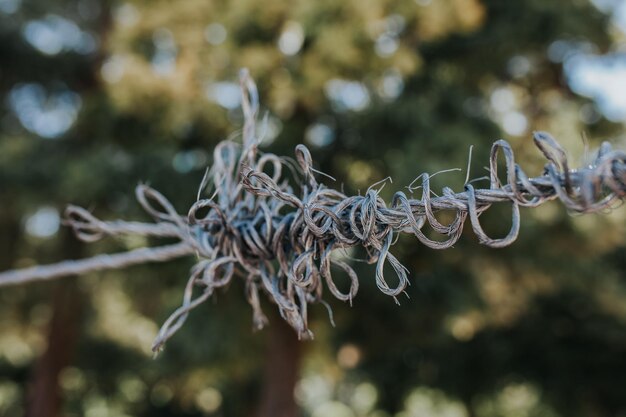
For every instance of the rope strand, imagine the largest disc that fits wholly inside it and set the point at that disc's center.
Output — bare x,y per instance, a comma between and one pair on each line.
282,242
95,263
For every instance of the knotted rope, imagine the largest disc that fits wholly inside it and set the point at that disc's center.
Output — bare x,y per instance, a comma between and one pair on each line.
279,233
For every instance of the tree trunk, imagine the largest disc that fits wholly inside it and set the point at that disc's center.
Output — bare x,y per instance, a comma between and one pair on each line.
282,365
44,397
9,235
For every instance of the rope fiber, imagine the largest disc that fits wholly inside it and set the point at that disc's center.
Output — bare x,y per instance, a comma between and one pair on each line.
281,241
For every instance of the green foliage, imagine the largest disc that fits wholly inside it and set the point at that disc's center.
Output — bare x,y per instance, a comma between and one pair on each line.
536,329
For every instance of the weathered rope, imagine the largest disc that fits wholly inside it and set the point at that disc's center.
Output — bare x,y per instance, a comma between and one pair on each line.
96,263
280,240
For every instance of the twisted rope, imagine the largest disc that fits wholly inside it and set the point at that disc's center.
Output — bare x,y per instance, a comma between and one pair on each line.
281,241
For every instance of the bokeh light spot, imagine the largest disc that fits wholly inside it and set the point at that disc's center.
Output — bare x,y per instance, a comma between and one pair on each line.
44,223
514,123
215,33
47,115
226,94
55,34
334,409
126,15
291,39
348,356
347,95
112,69
208,400
10,6
319,135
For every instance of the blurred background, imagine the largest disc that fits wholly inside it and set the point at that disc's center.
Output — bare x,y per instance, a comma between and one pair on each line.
96,96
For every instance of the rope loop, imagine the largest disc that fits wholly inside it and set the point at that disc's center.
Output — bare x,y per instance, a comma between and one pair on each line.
254,225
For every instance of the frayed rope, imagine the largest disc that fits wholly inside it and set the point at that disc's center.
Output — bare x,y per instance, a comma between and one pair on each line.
279,235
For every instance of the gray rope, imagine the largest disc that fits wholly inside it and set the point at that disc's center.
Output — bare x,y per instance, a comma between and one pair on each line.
95,263
280,240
